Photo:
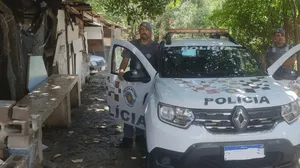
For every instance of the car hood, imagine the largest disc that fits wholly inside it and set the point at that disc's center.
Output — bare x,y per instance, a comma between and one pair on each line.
223,93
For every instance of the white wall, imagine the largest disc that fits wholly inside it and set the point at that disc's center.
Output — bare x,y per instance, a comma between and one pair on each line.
60,58
107,41
117,33
85,65
94,32
82,68
73,35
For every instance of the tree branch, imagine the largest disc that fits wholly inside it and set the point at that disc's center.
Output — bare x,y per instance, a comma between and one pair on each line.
295,8
294,12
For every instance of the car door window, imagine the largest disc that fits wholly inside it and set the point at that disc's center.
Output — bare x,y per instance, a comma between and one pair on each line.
116,59
118,53
287,60
287,69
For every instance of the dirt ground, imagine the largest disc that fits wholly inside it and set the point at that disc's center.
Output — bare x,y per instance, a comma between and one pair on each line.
91,140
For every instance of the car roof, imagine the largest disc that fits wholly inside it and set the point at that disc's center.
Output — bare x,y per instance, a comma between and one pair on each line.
202,42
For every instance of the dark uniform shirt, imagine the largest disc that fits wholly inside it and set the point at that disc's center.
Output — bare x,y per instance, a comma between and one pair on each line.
150,51
273,53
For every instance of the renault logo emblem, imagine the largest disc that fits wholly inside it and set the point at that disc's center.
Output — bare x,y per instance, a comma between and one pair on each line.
240,118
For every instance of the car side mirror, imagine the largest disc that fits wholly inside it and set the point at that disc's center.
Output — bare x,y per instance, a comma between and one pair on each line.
136,76
286,73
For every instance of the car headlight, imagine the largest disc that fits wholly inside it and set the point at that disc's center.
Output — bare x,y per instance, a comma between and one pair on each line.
176,116
291,112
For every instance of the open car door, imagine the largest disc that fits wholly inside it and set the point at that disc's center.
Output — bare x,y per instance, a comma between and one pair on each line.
127,99
287,77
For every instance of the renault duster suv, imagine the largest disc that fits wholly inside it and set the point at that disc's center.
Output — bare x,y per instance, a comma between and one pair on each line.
210,103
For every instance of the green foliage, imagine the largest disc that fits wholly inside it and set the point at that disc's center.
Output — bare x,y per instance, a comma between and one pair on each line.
130,13
252,22
190,15
187,14
132,10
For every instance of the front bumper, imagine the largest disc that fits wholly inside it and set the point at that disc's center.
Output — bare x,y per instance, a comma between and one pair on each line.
278,152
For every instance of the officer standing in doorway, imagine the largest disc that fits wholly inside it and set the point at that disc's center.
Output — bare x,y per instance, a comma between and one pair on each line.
149,49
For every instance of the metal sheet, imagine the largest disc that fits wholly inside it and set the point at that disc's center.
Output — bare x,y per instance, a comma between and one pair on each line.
77,45
37,72
94,32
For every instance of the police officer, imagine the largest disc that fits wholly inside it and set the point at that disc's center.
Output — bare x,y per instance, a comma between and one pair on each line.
149,49
279,47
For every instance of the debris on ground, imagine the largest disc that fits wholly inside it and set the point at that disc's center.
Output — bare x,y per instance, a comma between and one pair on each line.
90,141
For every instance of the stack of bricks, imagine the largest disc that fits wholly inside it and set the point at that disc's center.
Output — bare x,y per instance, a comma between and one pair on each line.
23,133
16,161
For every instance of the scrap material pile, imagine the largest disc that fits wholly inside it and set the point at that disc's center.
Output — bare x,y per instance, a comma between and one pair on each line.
20,136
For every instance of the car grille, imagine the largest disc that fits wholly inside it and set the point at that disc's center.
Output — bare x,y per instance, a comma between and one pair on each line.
220,121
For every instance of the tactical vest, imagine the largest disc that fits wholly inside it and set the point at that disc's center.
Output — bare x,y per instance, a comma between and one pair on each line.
287,47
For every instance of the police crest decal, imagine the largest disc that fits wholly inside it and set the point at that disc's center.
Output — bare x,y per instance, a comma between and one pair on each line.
129,96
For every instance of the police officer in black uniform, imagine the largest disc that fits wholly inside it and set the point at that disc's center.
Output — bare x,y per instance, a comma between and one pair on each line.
149,49
279,47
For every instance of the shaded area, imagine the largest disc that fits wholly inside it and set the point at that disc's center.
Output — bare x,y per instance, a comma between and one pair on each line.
13,60
90,141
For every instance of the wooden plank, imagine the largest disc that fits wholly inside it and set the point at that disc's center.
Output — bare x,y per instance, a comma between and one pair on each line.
61,115
40,155
49,95
75,96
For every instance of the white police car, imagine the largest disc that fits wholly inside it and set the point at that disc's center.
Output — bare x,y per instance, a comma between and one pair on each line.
209,100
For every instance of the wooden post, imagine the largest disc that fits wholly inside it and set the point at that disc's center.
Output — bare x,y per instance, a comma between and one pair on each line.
112,32
296,41
67,41
61,115
286,28
297,26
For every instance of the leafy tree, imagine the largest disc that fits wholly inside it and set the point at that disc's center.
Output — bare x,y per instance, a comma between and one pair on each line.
253,22
187,14
132,11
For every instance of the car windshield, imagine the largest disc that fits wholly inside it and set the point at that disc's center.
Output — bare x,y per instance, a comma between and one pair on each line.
209,61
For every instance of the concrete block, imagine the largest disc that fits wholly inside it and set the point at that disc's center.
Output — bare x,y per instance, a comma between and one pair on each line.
21,112
18,128
20,141
15,161
6,110
29,152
